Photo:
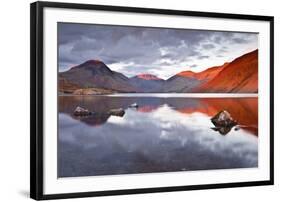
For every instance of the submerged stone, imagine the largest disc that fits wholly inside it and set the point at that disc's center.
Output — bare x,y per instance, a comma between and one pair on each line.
222,130
80,111
117,112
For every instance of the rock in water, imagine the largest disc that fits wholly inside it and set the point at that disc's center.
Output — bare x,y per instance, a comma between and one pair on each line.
222,130
223,119
80,111
134,105
117,112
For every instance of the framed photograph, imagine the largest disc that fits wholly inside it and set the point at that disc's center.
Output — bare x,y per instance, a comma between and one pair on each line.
131,100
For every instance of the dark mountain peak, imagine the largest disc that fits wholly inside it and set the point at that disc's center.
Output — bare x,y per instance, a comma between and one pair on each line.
96,74
146,76
95,66
93,62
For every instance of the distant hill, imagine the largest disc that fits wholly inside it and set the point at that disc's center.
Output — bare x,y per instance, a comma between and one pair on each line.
207,74
180,84
95,74
148,77
186,81
238,76
147,83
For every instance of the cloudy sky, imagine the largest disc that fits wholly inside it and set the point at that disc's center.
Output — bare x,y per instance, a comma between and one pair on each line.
159,51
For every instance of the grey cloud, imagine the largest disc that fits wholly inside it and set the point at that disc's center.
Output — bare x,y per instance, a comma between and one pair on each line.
140,46
203,57
217,39
208,46
193,66
239,40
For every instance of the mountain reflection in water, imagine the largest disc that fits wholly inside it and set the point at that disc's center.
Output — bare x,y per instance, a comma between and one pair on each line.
161,135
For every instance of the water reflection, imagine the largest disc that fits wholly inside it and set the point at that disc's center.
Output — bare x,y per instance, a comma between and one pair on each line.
162,134
223,130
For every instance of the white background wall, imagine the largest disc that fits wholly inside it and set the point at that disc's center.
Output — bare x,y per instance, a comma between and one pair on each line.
14,101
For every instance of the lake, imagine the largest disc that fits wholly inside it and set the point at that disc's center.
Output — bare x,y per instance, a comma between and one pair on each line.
163,134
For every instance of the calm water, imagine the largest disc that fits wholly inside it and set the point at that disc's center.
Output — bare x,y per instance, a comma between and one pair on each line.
161,135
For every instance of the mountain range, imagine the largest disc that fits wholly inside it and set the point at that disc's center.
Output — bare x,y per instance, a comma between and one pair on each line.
238,76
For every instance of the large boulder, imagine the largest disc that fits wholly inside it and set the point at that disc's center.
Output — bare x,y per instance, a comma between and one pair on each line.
80,111
223,119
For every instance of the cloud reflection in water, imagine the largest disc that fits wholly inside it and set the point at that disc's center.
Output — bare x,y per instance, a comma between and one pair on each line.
161,140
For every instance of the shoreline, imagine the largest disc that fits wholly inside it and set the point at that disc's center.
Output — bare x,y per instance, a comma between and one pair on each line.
176,95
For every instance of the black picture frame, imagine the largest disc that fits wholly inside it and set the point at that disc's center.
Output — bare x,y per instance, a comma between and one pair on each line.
36,98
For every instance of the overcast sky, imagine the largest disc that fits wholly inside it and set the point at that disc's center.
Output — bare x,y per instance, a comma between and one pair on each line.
159,51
